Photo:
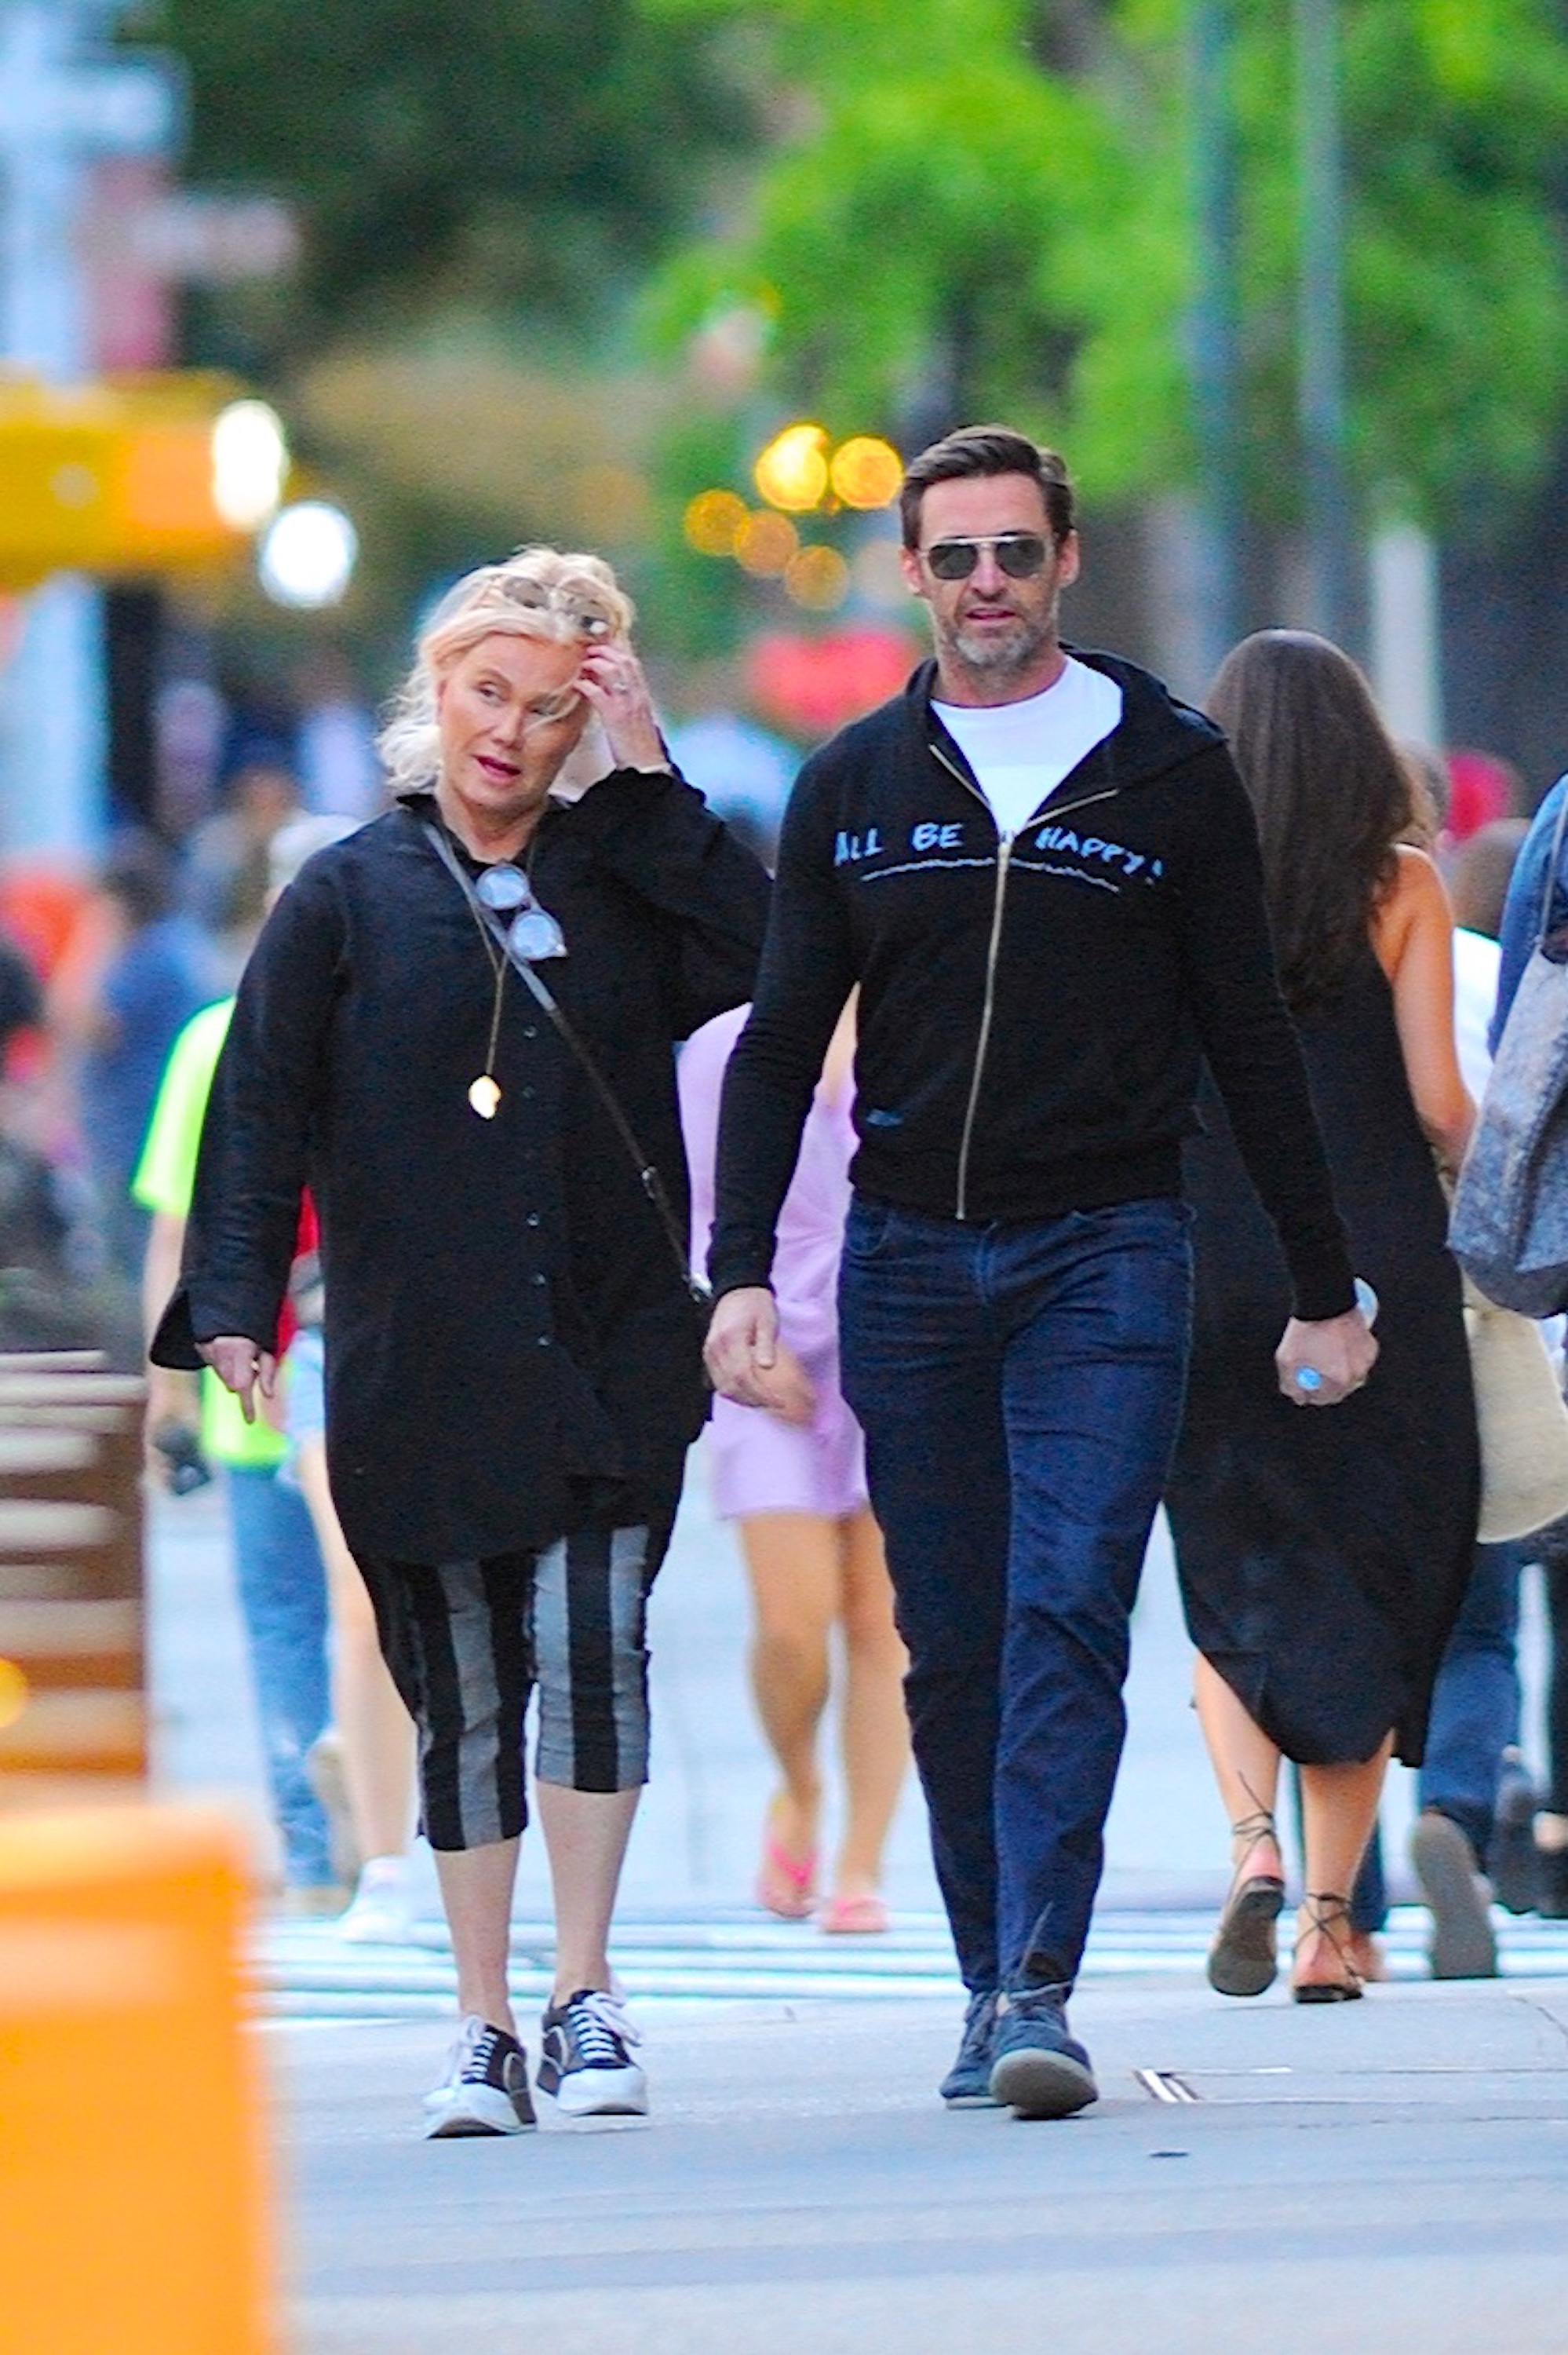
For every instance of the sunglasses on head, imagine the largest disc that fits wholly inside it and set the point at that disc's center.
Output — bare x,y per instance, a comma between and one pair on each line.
1021,555
533,932
591,619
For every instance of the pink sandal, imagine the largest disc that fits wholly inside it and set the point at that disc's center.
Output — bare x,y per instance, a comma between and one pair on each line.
784,1883
854,1917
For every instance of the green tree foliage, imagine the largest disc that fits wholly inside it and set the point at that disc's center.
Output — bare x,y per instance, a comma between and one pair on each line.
487,152
984,206
481,186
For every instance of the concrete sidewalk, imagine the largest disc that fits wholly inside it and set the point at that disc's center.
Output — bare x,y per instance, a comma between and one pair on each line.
1384,2176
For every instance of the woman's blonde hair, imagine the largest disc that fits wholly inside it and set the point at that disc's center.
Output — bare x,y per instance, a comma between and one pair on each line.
540,592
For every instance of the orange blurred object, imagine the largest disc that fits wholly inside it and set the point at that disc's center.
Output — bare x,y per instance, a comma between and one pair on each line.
132,2183
41,908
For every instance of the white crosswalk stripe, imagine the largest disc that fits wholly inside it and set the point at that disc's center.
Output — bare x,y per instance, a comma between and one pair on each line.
301,1971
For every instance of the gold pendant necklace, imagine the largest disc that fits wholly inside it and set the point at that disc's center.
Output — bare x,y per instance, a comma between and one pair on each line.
484,1094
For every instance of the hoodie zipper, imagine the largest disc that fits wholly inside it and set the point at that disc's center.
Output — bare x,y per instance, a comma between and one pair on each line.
1003,861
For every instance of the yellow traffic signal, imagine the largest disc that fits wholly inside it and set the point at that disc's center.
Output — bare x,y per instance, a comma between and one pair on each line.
133,476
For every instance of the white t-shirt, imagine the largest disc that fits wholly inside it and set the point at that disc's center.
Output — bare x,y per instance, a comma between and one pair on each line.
1020,753
1475,963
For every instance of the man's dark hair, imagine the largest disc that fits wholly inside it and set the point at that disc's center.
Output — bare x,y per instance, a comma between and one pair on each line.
986,450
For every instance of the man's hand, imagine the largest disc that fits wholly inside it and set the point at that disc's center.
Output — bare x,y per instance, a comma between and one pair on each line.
741,1352
788,1391
244,1367
1339,1351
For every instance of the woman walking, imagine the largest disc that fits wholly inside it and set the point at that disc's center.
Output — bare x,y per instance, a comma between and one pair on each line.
512,1358
1323,1558
792,1476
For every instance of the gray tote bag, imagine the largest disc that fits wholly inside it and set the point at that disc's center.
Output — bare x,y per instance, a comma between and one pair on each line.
1509,1227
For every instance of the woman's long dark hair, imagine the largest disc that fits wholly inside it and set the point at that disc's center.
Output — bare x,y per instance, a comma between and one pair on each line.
1330,794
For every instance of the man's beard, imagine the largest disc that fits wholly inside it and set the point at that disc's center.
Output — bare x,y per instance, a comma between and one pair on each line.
996,653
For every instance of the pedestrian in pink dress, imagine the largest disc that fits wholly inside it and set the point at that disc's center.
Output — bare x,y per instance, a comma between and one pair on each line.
792,1477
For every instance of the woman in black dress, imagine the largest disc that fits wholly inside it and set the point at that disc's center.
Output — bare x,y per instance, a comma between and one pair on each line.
1323,1558
512,1369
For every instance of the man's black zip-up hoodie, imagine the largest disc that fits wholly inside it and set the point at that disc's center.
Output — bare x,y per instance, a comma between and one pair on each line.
1034,1010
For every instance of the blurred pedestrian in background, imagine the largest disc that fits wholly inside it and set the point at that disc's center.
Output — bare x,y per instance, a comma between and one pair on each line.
361,1766
792,1478
226,856
279,1571
1474,1798
356,1772
1043,872
339,770
1528,891
513,1374
1322,1560
138,969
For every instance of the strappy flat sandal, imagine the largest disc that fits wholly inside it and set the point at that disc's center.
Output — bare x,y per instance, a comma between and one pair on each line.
1241,1959
1323,1908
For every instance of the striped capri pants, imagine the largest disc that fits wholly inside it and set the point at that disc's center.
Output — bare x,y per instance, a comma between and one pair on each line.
467,1642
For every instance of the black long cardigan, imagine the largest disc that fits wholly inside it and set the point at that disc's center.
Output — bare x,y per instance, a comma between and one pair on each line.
509,1345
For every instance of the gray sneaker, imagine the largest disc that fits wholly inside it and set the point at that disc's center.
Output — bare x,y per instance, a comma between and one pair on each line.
967,2086
1040,2070
1464,1945
1511,1859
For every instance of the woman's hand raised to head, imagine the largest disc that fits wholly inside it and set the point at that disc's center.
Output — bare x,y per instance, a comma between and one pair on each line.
612,681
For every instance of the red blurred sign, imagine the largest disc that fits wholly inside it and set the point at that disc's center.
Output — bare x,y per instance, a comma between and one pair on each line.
813,686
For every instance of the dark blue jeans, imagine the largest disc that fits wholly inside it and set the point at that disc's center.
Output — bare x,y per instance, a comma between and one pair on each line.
1020,1386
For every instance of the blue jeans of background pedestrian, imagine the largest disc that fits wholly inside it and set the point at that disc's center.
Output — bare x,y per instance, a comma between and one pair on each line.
282,1599
1475,1718
1020,1386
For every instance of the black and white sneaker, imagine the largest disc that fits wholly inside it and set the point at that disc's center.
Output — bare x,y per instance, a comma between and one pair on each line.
484,2089
585,2060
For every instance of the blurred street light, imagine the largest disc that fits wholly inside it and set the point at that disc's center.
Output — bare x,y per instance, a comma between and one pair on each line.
250,463
765,544
793,472
865,472
308,555
817,578
713,522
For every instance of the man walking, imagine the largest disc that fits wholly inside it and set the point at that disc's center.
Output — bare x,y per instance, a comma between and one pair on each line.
1042,871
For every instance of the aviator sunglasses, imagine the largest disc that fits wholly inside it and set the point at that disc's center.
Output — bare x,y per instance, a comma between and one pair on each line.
533,932
581,608
1021,555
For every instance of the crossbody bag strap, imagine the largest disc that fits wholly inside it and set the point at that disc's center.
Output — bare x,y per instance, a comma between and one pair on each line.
1544,926
648,1177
